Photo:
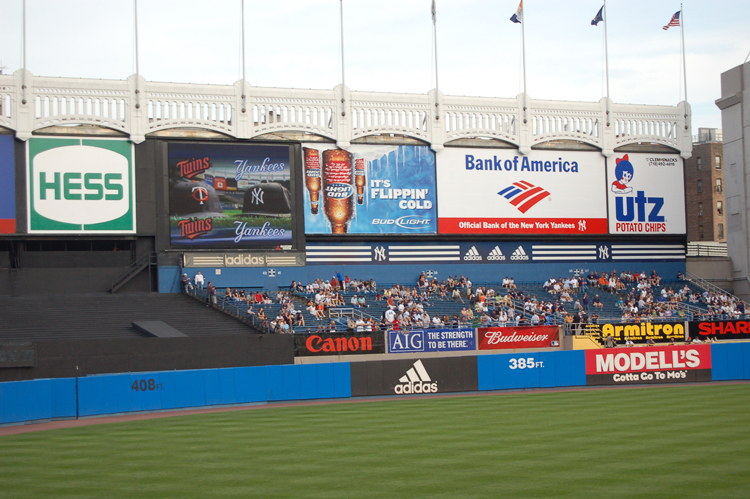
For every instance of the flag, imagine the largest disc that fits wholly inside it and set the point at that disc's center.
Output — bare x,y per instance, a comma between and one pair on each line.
518,16
675,21
434,12
599,17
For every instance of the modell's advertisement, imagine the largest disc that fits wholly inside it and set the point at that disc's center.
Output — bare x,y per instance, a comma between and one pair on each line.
646,194
230,195
369,189
499,191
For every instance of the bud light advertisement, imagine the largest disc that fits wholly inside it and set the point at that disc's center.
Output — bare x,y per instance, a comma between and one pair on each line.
369,189
646,194
230,195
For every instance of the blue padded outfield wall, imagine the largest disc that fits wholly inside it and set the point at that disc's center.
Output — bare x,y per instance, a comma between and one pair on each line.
67,398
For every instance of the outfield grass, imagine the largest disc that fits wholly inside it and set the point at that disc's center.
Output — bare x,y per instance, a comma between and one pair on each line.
684,441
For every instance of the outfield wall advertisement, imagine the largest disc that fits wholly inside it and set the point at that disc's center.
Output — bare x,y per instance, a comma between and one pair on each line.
668,364
506,338
498,191
432,340
414,376
369,189
646,194
80,186
721,330
8,173
643,331
317,344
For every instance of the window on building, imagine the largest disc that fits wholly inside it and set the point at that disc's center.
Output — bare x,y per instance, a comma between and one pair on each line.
717,160
700,232
719,207
698,163
700,186
721,231
700,209
718,185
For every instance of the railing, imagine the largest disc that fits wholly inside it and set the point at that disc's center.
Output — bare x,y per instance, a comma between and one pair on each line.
244,112
704,249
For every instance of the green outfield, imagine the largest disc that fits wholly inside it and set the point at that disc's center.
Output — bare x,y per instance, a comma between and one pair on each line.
682,441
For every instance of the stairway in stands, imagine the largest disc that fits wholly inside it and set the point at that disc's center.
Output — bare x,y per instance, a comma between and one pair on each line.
104,316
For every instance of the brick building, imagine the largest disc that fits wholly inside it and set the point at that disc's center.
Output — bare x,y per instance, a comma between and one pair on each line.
704,188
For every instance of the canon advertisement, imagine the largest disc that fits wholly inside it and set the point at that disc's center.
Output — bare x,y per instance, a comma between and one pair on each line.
720,330
508,338
643,331
230,195
8,172
667,364
339,343
369,189
431,340
499,191
646,194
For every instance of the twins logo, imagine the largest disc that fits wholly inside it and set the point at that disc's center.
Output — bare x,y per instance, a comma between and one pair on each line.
523,195
624,174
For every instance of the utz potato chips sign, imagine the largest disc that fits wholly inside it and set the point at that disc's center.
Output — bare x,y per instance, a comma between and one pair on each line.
80,186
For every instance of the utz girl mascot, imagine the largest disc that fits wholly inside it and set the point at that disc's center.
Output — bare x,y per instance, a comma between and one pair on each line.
624,174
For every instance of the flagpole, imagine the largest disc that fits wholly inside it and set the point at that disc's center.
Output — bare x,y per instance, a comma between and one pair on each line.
341,18
684,67
137,69
523,50
244,94
606,55
437,84
23,76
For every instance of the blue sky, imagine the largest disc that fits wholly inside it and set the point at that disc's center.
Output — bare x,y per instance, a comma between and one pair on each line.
388,45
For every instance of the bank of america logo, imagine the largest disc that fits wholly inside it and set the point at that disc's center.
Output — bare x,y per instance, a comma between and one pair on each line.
472,254
496,254
416,380
519,254
523,195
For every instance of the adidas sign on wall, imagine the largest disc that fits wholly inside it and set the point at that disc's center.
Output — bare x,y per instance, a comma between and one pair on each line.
414,376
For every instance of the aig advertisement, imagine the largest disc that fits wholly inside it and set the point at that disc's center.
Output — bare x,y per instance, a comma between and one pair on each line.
369,189
498,191
646,194
431,340
8,199
230,195
676,364
80,186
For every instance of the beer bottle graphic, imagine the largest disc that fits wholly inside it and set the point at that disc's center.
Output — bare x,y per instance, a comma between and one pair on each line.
338,191
312,176
360,179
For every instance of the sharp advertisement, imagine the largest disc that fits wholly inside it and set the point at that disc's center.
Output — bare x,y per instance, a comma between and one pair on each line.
231,195
80,186
369,189
498,191
646,194
721,330
8,172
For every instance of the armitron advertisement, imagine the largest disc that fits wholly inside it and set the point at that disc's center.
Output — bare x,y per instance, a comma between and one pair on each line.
8,173
369,189
644,331
80,186
506,338
668,364
339,343
646,194
431,340
230,195
498,191
720,330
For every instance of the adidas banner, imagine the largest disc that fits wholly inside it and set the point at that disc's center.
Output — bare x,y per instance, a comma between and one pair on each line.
431,340
414,376
498,191
505,338
317,344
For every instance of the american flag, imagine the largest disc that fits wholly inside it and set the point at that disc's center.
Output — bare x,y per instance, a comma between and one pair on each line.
675,21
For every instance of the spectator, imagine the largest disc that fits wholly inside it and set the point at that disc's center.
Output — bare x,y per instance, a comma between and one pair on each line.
198,279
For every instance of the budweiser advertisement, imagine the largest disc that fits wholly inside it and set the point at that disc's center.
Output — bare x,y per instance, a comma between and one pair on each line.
339,343
638,365
369,189
721,330
508,338
641,332
230,195
498,191
642,194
